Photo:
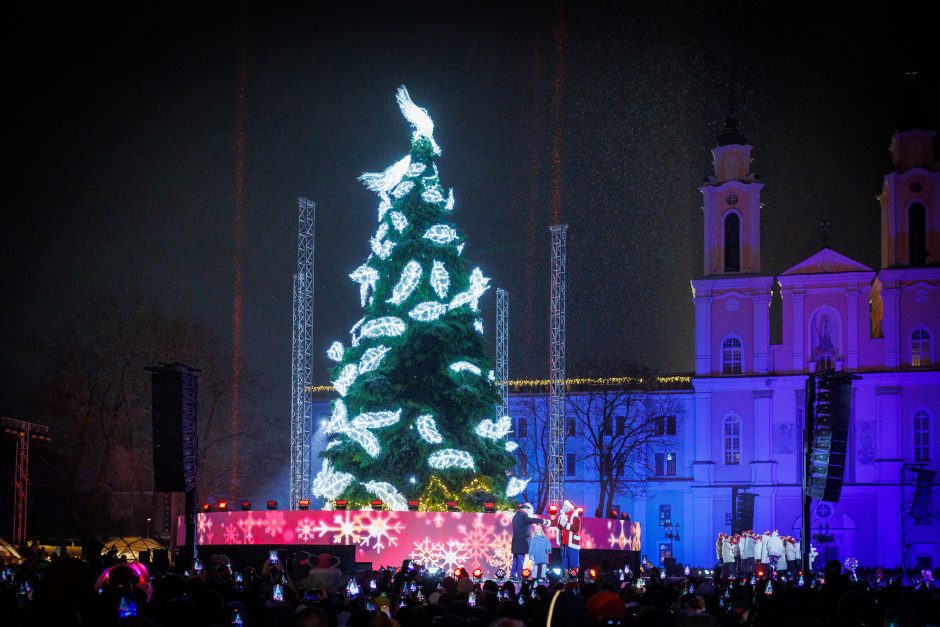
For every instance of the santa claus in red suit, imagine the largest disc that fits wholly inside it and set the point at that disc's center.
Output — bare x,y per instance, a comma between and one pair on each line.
569,524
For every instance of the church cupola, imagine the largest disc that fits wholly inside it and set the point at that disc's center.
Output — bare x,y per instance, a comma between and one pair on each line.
732,207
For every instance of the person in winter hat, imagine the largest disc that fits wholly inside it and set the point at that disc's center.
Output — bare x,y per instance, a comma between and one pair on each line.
569,522
540,549
522,523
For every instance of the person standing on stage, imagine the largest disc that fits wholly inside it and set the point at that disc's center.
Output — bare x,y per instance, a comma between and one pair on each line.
569,521
522,523
540,549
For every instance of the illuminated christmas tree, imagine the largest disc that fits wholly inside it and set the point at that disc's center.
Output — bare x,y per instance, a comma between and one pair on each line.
416,416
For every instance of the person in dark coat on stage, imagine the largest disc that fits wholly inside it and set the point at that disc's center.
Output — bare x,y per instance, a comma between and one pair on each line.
521,533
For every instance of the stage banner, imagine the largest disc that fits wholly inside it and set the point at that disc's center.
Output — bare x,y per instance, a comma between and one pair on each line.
444,540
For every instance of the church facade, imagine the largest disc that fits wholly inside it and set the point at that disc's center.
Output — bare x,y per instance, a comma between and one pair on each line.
738,426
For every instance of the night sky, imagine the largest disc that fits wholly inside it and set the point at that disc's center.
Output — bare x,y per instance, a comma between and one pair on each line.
123,139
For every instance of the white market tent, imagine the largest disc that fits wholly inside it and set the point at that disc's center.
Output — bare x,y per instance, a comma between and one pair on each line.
130,547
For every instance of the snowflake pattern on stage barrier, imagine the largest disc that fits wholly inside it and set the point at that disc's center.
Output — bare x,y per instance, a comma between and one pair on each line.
345,528
441,539
305,530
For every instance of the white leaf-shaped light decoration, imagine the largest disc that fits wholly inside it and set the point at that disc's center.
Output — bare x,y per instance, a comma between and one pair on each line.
428,311
380,246
384,205
450,200
371,359
433,194
418,117
330,483
366,276
399,221
451,458
441,234
440,279
388,326
415,169
335,351
465,366
365,439
516,486
511,446
460,248
376,419
403,188
346,378
491,375
427,429
410,276
478,325
478,285
383,182
494,430
352,332
338,421
389,495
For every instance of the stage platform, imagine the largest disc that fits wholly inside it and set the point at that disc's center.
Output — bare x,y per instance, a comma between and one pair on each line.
445,540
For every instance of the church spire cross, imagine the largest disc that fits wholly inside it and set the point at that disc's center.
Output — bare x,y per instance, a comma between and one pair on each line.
825,234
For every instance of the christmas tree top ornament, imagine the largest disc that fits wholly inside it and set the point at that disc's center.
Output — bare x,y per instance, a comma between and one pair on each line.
415,417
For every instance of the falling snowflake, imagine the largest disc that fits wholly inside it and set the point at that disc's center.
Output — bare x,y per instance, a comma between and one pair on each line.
231,533
274,523
203,529
345,528
454,555
504,519
378,531
427,553
438,520
305,530
501,551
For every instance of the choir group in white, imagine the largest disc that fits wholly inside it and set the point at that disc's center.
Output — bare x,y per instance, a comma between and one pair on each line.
741,554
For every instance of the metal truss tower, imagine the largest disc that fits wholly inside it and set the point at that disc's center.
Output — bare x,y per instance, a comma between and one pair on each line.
556,413
301,371
502,349
23,432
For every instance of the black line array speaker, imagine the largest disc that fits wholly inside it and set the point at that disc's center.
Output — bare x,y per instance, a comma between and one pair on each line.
743,512
175,393
831,406
923,489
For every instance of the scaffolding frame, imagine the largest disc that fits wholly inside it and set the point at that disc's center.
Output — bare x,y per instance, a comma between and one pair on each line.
301,368
502,349
556,414
23,432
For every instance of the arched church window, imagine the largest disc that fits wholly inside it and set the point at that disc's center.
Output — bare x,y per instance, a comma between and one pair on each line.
917,234
732,438
921,436
920,347
732,243
731,356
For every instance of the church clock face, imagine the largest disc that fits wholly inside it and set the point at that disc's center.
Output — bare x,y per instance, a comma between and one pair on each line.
732,199
916,187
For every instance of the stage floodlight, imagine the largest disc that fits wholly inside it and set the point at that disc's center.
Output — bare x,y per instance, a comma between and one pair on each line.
303,504
377,504
246,506
413,505
452,506
341,505
206,508
272,504
489,507
223,506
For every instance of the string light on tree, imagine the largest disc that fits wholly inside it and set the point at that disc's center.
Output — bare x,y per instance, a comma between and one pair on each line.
511,446
478,285
346,378
478,325
366,276
416,169
494,430
328,484
399,221
433,195
376,419
388,493
449,206
388,326
383,182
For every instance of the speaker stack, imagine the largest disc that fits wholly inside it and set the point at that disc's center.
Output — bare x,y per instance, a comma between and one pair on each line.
831,406
174,427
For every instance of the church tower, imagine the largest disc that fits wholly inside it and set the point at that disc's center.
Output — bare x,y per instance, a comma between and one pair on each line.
732,207
732,300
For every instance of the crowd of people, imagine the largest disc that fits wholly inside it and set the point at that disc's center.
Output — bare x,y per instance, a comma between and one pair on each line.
741,554
311,591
